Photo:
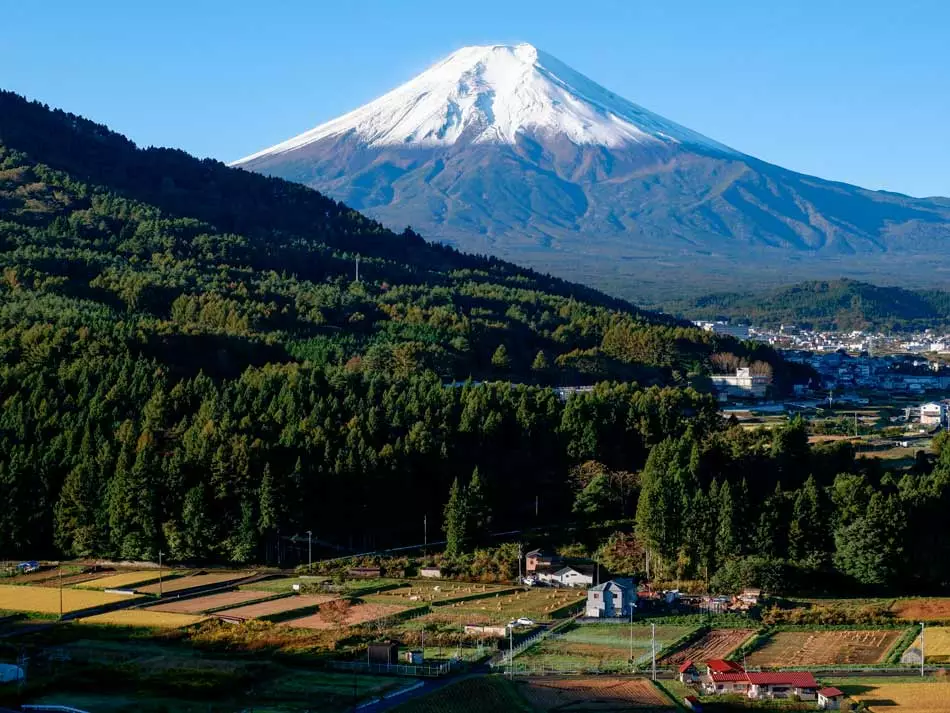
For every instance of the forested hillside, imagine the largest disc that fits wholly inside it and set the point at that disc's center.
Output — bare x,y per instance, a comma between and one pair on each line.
187,360
838,304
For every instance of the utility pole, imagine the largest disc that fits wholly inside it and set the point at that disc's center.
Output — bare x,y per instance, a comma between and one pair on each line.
309,551
425,535
60,590
511,652
921,649
653,648
536,503
631,632
160,589
520,577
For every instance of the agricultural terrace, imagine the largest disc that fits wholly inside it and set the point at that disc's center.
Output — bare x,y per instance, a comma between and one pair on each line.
599,647
819,648
283,585
144,618
277,606
45,600
537,604
356,614
936,644
126,580
72,579
199,605
922,609
195,580
594,694
472,695
898,695
427,592
714,644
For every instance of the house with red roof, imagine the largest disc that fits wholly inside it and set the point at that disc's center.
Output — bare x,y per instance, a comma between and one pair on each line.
728,677
688,673
830,698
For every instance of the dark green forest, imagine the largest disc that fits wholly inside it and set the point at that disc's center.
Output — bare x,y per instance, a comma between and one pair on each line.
187,363
830,305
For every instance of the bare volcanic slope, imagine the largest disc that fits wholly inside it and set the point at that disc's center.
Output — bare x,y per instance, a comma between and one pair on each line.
505,150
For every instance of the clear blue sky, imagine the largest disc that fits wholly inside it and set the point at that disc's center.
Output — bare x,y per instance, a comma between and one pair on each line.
855,90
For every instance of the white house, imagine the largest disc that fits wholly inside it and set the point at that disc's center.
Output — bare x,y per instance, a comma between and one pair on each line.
616,598
743,384
829,699
933,414
574,576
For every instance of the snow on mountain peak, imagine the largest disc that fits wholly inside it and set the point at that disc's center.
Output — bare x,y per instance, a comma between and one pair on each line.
491,94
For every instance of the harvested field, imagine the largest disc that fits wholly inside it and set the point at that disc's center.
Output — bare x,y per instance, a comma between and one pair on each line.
198,605
936,644
922,609
195,580
429,592
898,695
277,606
72,580
538,604
594,694
45,600
126,580
818,648
715,644
356,614
144,618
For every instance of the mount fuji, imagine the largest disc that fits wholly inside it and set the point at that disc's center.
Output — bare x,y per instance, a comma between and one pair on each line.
505,150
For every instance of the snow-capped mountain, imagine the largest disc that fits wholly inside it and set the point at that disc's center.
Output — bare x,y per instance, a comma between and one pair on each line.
506,150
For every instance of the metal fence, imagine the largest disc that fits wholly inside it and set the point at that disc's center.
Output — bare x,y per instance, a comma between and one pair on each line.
394,669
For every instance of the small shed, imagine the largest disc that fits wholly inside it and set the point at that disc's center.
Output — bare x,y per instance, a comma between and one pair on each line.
430,572
414,658
365,572
830,698
383,652
688,673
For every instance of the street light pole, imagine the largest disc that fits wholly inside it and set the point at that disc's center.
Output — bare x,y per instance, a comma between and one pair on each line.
653,647
309,551
161,590
631,633
921,649
60,590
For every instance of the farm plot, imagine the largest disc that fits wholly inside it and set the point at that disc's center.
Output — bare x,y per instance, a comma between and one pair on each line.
537,604
922,609
898,695
277,606
436,592
144,618
44,600
73,579
599,647
126,580
199,605
714,644
356,614
818,648
936,644
594,694
473,695
195,580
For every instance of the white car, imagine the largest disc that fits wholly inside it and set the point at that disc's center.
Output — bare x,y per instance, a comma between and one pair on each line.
524,621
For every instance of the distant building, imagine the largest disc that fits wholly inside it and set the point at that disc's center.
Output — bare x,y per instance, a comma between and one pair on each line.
580,575
739,331
829,699
744,384
728,677
365,572
430,572
616,598
384,652
539,559
933,414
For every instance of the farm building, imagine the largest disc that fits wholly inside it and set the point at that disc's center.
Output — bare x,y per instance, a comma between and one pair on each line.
616,598
727,677
539,559
829,699
688,673
578,575
383,652
747,598
430,572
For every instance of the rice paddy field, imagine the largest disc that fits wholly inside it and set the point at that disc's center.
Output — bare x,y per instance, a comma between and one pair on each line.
142,618
45,600
200,605
125,580
819,648
594,694
898,695
537,604
356,614
599,647
194,580
277,606
922,609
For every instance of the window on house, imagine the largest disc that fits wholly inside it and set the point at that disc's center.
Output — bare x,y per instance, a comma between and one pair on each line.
596,595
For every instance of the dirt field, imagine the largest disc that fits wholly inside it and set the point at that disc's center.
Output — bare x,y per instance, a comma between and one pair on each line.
357,614
922,609
46,601
74,579
277,606
898,695
594,694
125,580
538,604
142,618
195,580
715,644
439,591
212,601
816,648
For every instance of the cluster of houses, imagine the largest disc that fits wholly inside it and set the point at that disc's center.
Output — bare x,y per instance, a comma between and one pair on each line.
720,677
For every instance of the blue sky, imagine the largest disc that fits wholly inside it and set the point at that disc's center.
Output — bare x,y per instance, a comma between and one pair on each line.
848,90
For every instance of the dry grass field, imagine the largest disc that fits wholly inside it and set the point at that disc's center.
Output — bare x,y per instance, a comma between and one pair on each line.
818,648
537,604
199,605
277,606
45,600
936,645
356,614
422,592
594,694
195,580
144,618
715,644
125,580
898,695
922,609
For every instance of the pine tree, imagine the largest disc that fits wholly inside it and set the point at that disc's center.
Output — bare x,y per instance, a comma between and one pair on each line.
479,513
727,540
456,521
540,363
807,531
500,360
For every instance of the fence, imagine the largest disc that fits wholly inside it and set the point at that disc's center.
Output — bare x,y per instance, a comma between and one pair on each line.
519,668
526,644
393,669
